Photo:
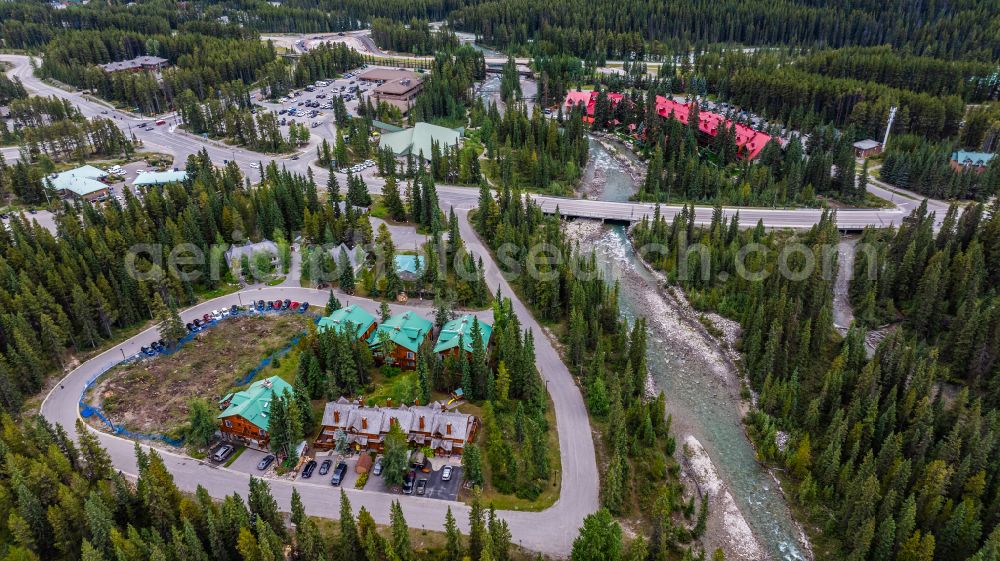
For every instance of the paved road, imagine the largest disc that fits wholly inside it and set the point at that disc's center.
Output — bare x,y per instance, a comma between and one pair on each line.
551,531
171,140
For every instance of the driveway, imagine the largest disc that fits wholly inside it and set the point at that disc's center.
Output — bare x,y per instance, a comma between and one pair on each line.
440,489
247,462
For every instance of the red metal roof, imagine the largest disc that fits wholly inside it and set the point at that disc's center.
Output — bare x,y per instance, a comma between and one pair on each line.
589,99
749,141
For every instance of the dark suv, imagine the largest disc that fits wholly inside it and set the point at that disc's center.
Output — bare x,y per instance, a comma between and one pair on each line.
338,474
408,482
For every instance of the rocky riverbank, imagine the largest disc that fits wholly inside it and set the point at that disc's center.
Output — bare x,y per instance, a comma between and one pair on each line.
675,327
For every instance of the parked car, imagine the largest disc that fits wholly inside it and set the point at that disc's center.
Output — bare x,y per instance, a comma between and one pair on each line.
324,468
304,306
190,327
446,473
265,462
234,309
286,304
408,482
223,452
309,469
198,323
338,474
377,468
421,486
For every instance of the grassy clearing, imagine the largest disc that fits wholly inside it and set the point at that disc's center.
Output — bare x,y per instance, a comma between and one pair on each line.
153,395
547,498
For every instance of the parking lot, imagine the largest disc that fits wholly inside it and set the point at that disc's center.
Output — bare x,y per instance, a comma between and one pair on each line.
436,488
313,104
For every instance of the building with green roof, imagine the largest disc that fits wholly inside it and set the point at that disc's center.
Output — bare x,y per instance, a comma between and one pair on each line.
407,332
408,267
354,316
84,182
458,333
160,178
245,418
418,139
964,160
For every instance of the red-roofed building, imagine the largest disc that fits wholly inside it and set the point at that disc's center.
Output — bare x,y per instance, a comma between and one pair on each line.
589,101
749,141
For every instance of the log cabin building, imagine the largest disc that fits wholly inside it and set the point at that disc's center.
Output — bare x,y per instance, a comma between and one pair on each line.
245,416
405,333
457,334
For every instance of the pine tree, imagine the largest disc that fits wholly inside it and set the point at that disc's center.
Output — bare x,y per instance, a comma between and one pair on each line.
400,533
201,422
453,545
472,465
169,322
96,461
298,510
393,202
349,540
600,539
477,529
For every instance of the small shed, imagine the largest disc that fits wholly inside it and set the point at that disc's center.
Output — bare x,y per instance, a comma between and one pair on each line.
867,148
364,464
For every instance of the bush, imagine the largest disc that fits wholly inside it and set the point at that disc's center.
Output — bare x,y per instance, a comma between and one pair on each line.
362,480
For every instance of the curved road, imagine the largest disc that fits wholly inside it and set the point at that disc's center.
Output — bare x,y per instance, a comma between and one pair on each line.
171,140
550,531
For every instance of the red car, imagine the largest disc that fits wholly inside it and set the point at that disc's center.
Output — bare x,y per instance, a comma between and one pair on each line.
206,318
277,304
161,122
294,306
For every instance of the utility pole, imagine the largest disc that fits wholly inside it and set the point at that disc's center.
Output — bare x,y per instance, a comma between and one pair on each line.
888,126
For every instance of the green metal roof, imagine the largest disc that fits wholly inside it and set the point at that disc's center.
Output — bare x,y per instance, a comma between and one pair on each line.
460,330
406,330
418,139
353,315
80,181
253,403
160,177
386,127
409,263
975,158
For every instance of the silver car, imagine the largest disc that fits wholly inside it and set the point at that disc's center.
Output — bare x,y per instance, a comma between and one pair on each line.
223,452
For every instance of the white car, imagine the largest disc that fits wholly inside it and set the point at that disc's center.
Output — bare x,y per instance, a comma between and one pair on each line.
254,165
446,473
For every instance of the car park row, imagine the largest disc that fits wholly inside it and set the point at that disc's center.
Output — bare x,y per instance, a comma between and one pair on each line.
198,324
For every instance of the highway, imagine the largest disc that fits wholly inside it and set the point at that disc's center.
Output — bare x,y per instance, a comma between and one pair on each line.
550,531
169,139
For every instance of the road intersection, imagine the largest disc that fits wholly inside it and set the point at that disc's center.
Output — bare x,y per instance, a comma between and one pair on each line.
550,531
171,140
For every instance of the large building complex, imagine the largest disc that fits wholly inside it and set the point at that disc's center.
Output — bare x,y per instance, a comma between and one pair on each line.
395,87
365,428
749,141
